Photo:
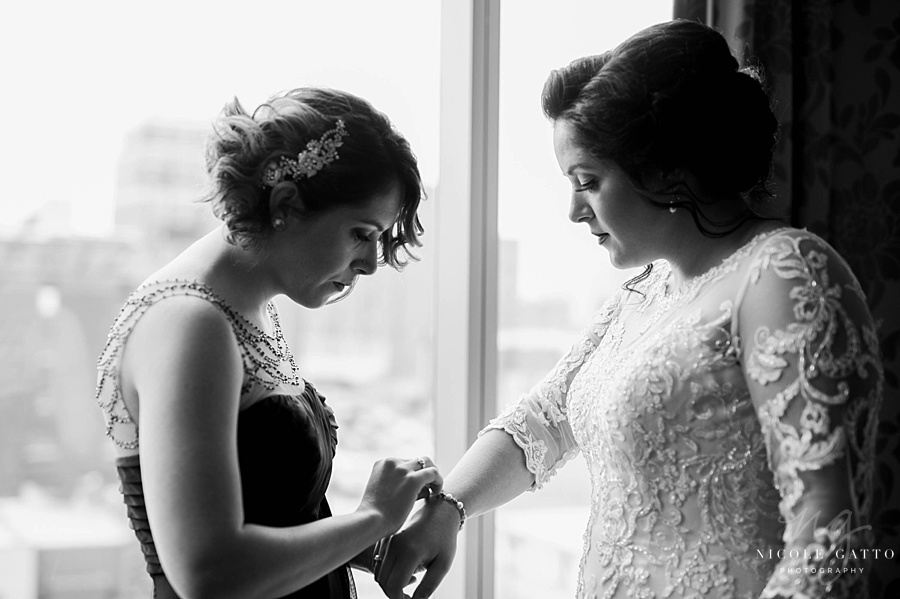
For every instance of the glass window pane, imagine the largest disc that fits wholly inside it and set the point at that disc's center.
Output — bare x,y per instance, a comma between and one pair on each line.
553,276
107,108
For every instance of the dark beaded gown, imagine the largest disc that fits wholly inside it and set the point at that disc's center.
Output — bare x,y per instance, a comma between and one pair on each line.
286,441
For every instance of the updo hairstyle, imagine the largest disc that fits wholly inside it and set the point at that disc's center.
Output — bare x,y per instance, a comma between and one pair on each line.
373,156
671,97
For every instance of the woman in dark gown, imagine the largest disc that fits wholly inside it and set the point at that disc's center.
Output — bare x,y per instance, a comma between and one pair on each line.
223,449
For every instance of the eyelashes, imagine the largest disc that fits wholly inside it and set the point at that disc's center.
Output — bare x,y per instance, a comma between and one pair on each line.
585,186
367,238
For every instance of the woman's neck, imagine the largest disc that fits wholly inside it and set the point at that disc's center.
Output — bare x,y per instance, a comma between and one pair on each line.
698,253
237,275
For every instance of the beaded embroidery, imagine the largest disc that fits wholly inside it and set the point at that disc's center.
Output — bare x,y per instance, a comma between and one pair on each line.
688,291
686,465
268,362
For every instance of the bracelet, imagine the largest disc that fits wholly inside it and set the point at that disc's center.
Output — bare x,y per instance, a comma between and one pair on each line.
444,496
379,553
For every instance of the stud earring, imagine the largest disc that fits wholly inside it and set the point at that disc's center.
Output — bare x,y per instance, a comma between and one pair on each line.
278,224
672,209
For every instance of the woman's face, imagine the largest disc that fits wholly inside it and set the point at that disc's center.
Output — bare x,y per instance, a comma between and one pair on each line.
625,222
318,256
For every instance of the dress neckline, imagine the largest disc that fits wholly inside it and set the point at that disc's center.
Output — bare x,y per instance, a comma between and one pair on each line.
726,262
269,350
690,288
207,290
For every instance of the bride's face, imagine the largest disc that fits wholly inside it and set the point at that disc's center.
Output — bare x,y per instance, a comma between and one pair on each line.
624,221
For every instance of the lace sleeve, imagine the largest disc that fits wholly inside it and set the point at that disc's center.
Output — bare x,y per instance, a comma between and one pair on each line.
813,368
538,421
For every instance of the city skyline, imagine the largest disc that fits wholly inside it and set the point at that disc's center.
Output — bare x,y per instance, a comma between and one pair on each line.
111,94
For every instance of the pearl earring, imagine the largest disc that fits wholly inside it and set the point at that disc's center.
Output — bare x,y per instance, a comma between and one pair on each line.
278,224
672,209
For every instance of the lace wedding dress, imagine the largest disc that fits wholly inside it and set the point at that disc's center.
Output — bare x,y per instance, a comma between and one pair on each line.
728,428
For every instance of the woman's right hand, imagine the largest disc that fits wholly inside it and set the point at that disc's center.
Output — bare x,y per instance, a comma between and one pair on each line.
427,543
395,485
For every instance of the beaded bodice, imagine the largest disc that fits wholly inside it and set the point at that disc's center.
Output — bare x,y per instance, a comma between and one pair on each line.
702,440
268,363
286,435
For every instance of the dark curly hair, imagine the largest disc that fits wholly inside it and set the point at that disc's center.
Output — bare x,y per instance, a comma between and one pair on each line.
673,97
374,156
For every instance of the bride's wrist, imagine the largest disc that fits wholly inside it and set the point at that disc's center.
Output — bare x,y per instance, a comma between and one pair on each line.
450,503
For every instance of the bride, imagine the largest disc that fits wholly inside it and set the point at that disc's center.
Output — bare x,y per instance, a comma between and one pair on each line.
726,399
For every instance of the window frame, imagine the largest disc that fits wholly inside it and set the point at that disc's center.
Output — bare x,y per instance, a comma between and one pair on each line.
466,239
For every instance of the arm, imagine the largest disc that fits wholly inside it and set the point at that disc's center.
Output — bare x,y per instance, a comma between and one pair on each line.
183,362
363,561
491,472
518,451
814,374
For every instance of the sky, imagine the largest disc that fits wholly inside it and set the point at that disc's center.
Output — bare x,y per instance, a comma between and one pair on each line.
78,76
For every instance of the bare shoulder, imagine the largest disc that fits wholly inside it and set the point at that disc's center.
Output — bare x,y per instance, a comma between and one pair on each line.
183,319
180,336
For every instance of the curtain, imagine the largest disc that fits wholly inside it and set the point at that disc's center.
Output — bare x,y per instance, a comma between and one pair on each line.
833,67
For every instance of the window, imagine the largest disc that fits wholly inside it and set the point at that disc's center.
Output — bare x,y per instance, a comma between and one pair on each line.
101,163
102,160
552,274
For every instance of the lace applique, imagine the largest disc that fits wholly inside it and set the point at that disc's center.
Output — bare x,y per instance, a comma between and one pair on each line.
698,439
544,409
677,463
824,364
268,362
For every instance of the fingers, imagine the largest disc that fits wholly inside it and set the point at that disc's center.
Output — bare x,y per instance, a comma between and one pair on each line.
431,482
396,484
386,576
428,541
433,576
435,481
424,462
398,570
395,574
381,549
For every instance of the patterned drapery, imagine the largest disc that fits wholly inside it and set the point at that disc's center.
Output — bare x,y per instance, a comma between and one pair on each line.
834,69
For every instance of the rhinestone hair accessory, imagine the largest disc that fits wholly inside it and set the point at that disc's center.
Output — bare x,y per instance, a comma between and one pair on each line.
318,154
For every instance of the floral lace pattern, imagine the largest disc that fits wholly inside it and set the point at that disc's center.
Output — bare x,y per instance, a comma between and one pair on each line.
711,435
537,421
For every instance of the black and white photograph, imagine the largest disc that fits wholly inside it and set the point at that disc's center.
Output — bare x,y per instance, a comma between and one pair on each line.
462,299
